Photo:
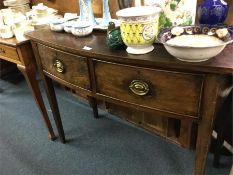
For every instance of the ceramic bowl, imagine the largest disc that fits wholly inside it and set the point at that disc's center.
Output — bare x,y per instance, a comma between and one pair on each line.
82,28
21,23
68,26
40,8
139,28
6,32
57,25
195,43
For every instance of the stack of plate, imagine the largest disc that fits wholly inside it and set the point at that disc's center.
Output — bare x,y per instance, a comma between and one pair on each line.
41,15
18,5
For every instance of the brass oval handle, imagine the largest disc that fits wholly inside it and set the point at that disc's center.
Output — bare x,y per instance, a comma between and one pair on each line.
139,87
60,68
2,50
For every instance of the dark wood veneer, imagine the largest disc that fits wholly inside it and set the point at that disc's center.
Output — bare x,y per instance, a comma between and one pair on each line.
165,88
75,67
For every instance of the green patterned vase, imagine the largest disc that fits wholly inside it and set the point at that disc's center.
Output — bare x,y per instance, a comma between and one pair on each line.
114,39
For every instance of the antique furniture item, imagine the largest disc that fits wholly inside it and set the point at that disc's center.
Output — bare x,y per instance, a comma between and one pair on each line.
195,43
139,28
155,82
21,54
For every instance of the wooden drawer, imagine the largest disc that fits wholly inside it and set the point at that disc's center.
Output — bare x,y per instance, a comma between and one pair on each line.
68,67
9,53
175,92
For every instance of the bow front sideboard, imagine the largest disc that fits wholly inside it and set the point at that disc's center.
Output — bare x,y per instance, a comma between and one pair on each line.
155,82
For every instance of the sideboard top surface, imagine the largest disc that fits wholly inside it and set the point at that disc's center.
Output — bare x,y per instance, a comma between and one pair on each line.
159,58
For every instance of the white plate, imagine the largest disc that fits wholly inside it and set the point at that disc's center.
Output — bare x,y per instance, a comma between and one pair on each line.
34,14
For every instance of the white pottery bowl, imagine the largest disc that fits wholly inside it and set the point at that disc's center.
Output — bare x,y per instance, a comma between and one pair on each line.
68,26
40,8
6,32
139,28
57,25
196,43
82,28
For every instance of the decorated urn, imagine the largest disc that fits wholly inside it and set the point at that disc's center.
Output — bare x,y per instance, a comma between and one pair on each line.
139,28
212,12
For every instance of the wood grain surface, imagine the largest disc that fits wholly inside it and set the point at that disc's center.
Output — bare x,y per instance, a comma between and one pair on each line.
75,68
161,85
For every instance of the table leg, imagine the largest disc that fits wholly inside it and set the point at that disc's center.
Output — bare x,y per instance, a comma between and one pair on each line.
54,106
50,95
202,147
205,125
30,76
93,104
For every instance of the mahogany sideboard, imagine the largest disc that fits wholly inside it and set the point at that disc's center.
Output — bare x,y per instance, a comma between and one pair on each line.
154,82
21,54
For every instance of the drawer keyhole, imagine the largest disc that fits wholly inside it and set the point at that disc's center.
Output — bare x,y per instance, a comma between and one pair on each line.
59,66
139,87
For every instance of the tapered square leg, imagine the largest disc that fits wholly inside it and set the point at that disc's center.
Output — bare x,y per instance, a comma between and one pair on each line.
30,76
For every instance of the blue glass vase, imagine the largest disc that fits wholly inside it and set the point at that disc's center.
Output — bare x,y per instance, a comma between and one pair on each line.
86,11
212,12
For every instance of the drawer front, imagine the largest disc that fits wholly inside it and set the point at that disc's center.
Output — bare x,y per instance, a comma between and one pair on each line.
8,52
68,67
156,89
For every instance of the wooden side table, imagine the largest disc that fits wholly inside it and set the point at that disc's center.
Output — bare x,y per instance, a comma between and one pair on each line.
21,54
154,82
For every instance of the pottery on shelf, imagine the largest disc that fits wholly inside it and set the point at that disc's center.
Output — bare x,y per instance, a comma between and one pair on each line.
139,27
114,39
86,11
212,12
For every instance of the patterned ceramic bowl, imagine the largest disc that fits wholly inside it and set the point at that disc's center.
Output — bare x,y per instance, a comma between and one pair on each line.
57,25
195,43
82,28
139,28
